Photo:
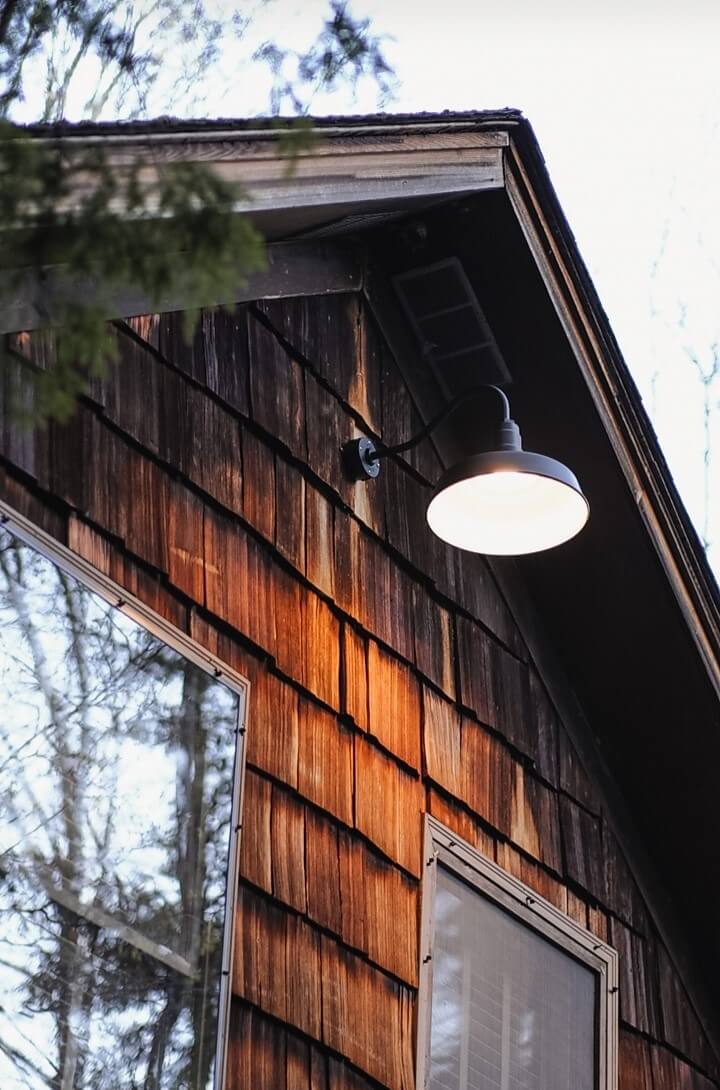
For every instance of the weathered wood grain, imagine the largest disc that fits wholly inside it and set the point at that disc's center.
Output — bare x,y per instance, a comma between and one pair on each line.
54,520
635,1070
257,1051
291,971
535,819
325,761
288,846
256,855
531,874
582,849
669,1072
185,541
290,513
181,341
354,665
572,776
258,497
273,738
394,705
367,1017
379,909
324,898
227,356
434,633
681,1025
388,805
277,390
459,821
240,580
319,541
277,962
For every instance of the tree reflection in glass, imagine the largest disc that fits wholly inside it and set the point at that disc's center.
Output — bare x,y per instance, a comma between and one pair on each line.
116,777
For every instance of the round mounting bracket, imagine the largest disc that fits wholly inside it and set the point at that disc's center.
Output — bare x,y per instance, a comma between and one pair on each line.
360,458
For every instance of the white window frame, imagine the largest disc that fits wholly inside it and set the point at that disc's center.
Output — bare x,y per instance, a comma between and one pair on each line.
118,597
441,846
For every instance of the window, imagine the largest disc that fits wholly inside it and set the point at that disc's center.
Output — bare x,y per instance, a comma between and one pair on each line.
119,771
514,995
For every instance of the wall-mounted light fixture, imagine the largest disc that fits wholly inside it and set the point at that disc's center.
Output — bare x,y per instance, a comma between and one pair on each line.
503,502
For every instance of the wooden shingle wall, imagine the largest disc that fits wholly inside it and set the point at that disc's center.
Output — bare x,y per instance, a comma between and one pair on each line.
388,680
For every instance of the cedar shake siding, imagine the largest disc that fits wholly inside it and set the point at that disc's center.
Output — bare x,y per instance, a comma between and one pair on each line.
388,679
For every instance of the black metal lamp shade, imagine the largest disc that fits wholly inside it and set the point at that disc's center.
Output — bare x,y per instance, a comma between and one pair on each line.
502,502
507,503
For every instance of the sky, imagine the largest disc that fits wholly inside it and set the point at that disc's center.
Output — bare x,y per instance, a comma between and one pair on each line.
625,100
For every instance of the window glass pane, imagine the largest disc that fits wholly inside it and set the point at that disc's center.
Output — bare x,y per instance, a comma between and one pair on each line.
116,774
509,1010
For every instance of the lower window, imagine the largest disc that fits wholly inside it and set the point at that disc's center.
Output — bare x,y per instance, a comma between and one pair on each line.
119,767
515,995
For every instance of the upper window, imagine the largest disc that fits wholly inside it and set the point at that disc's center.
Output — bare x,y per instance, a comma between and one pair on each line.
520,997
118,765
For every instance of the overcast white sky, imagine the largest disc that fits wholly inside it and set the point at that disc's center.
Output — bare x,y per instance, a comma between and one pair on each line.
625,100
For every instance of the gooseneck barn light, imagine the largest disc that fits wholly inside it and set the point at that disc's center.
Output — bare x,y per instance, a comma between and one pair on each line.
503,502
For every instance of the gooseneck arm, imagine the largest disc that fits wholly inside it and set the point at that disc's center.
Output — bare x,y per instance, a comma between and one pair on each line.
362,456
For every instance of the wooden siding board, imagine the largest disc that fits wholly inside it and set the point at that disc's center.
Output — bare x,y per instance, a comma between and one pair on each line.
256,1052
290,875
544,753
535,819
582,848
681,1026
186,542
325,761
532,875
277,962
137,390
277,390
572,776
258,497
433,631
671,1073
400,418
477,592
379,908
290,513
342,1077
322,632
394,705
442,740
303,976
367,1017
477,688
181,342
460,822
227,356
25,502
319,541
273,737
256,856
635,1070
297,1073
355,676
388,805
324,900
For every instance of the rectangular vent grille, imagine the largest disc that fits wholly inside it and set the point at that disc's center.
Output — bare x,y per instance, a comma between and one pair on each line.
449,324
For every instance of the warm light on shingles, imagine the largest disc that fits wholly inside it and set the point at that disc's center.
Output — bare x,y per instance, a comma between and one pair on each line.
507,513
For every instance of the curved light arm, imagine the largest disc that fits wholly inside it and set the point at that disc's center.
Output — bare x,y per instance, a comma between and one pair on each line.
382,451
362,456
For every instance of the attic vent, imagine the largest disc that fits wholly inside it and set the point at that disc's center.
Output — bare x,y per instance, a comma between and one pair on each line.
450,326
